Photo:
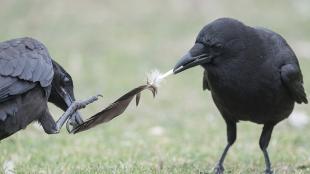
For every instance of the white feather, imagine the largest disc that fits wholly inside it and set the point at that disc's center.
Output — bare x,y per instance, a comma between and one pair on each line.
155,77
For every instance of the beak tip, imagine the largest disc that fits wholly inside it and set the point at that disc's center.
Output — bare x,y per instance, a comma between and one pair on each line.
176,70
179,67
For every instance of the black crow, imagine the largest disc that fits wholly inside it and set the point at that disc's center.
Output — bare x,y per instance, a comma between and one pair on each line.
29,78
252,74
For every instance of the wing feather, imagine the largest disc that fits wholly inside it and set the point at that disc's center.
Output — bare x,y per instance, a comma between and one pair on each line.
25,63
292,79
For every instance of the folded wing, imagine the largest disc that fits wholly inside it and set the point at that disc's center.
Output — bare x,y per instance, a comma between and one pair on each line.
292,79
24,63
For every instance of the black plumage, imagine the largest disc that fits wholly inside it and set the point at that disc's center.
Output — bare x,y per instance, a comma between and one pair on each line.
29,78
252,74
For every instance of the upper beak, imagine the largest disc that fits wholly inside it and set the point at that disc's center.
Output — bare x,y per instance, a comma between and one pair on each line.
189,61
181,64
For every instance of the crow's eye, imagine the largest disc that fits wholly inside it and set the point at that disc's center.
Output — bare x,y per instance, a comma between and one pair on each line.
199,42
206,45
66,80
217,46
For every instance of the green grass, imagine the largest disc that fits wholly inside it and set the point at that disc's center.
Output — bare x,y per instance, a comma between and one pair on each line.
108,47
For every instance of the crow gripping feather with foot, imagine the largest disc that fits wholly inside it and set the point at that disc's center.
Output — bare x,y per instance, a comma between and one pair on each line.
29,78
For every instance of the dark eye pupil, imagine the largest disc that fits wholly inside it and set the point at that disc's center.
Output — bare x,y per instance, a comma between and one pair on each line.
218,46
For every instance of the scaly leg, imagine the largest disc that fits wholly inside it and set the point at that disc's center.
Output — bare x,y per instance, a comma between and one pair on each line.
231,138
264,142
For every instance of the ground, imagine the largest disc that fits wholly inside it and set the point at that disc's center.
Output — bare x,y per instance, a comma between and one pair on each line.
108,47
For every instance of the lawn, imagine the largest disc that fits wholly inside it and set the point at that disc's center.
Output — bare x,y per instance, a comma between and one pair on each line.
109,46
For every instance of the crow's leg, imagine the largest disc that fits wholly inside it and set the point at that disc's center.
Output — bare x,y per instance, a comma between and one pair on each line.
263,143
48,123
76,105
231,138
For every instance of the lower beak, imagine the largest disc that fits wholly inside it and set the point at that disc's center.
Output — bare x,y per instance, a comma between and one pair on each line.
188,61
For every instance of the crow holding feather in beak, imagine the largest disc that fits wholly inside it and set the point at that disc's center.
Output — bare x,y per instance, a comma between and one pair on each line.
29,78
252,74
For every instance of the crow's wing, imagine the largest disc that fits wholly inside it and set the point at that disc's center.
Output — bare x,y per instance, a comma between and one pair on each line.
24,63
292,79
205,83
284,56
11,86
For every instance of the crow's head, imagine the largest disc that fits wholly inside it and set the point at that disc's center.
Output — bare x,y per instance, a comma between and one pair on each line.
62,94
221,40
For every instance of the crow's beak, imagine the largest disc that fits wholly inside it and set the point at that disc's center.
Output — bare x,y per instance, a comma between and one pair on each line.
189,61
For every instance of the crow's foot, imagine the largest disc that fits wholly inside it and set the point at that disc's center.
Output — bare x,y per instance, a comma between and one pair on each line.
76,105
268,171
76,119
218,169
71,111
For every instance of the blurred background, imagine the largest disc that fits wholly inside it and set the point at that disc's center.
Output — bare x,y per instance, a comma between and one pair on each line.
108,47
